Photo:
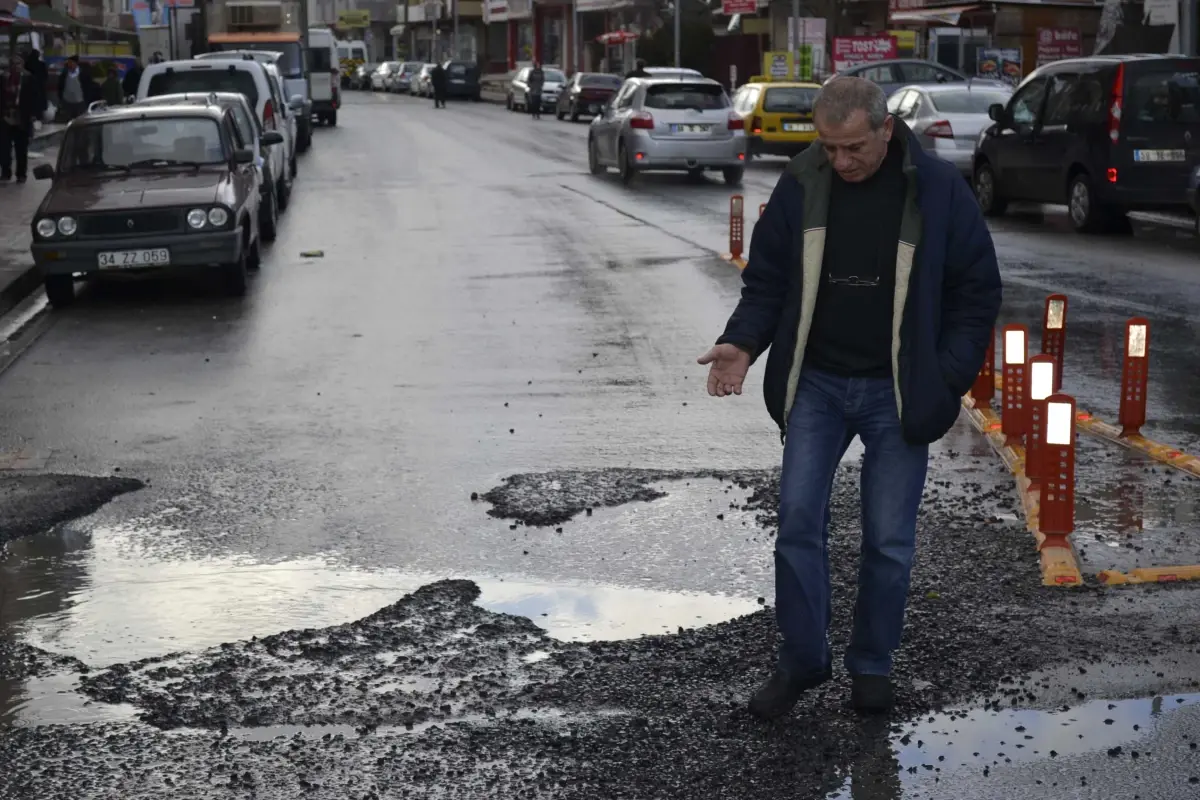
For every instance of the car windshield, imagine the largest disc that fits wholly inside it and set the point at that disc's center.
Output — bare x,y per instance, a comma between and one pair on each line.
968,102
412,66
554,76
1165,96
456,69
604,81
697,96
122,145
289,54
789,100
203,81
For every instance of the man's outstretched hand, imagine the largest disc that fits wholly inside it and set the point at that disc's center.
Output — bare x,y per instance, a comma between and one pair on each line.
728,370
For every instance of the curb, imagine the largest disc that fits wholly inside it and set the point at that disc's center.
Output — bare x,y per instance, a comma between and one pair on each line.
25,284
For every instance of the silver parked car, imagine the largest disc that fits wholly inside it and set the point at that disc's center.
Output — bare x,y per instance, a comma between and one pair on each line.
422,82
672,124
518,89
948,118
673,72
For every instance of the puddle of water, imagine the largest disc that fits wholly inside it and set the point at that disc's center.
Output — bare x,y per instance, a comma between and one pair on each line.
937,746
53,700
84,596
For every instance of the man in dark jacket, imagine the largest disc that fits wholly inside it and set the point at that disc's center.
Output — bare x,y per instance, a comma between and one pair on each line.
76,87
133,76
639,70
37,68
536,82
18,107
437,81
873,280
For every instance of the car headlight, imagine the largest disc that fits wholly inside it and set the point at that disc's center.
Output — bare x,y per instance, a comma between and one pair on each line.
197,218
46,228
217,217
67,226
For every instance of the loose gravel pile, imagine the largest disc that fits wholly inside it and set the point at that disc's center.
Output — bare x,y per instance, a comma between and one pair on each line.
32,504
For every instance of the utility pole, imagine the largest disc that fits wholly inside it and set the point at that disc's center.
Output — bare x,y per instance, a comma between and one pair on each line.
408,56
678,28
456,54
575,38
304,25
794,39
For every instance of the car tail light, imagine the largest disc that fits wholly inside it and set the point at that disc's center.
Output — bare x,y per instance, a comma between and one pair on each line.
940,130
1114,107
736,123
269,115
756,125
1112,174
642,121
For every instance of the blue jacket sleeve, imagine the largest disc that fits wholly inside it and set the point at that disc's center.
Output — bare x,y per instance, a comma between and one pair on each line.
971,291
768,271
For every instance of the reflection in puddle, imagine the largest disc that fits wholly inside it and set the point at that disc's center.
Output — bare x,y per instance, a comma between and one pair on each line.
937,746
86,597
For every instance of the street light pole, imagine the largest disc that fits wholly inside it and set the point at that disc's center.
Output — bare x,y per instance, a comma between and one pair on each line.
456,50
678,28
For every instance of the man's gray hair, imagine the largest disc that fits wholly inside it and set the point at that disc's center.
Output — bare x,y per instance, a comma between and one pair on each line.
841,97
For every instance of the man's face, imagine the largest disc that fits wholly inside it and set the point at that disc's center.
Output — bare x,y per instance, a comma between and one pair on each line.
853,148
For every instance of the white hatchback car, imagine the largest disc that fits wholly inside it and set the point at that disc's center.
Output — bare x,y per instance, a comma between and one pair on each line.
244,76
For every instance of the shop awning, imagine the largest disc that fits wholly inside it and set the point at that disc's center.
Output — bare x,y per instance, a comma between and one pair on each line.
21,23
946,15
617,37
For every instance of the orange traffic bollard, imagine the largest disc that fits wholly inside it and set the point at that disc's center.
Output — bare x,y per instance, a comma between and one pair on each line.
1041,385
1134,376
984,387
1014,417
736,226
1054,332
1056,515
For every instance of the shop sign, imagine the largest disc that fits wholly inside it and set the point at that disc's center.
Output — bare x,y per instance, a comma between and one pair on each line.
354,19
1055,44
999,64
906,42
777,65
849,51
731,7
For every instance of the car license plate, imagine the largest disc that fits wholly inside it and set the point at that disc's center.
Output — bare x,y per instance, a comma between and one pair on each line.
456,80
690,128
797,127
130,259
1159,155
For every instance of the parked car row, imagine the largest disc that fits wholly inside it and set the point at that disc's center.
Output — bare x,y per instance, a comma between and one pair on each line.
416,78
192,175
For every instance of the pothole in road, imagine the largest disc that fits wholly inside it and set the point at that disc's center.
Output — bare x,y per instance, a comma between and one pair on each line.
934,748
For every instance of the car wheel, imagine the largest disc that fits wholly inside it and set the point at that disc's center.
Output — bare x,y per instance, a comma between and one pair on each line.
990,201
733,175
594,165
508,103
60,290
1085,213
268,218
233,276
628,173
254,260
283,192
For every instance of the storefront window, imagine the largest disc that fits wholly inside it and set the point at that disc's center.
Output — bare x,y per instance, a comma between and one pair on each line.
525,41
552,33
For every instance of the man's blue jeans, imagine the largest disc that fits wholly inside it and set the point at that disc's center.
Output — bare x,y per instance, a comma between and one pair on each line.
828,412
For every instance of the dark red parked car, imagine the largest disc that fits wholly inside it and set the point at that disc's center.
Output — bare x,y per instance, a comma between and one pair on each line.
586,93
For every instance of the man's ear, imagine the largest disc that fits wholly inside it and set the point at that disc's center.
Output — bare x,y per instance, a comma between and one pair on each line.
888,127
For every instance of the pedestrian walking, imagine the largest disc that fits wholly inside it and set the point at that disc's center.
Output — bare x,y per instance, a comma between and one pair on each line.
111,91
536,82
18,107
873,280
75,88
133,76
639,70
37,71
437,82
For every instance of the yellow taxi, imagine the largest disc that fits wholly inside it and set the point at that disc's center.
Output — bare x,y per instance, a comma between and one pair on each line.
777,115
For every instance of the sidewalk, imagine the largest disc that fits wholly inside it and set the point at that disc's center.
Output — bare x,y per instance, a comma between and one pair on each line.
17,274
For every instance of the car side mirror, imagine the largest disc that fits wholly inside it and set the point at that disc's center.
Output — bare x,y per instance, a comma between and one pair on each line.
296,103
270,137
43,172
245,155
996,112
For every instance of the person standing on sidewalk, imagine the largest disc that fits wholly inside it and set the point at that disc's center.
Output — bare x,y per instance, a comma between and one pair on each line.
437,82
37,68
873,280
75,88
18,107
536,82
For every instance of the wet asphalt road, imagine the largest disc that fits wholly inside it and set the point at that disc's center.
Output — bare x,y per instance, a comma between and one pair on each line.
483,308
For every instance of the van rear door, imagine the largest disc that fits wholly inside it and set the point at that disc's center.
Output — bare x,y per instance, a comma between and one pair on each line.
1160,125
322,72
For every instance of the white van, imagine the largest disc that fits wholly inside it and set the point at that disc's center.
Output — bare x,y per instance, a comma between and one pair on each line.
324,75
290,61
